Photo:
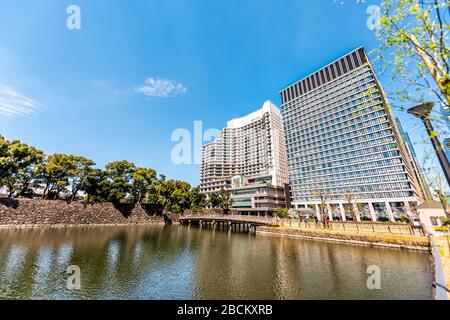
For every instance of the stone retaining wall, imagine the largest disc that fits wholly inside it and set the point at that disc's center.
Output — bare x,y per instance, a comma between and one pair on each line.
27,212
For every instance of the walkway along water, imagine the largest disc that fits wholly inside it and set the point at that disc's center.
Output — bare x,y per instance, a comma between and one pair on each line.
440,291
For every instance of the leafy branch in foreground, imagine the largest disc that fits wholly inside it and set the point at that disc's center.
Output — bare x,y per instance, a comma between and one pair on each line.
414,51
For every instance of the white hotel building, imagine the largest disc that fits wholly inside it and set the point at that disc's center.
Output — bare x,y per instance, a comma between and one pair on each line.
249,159
341,138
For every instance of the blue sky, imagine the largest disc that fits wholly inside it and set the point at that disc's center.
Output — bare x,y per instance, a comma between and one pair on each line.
138,70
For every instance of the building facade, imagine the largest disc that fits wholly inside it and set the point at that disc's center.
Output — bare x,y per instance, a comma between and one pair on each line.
445,111
344,148
249,159
421,178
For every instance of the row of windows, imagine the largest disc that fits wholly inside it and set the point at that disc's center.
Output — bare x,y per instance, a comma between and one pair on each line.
348,133
328,94
337,130
353,174
347,116
380,136
325,75
331,97
347,155
372,195
354,182
350,161
352,97
354,167
349,148
354,107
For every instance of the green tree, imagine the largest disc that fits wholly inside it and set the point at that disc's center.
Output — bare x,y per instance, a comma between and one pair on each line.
153,196
437,183
54,173
4,161
324,197
282,213
18,163
197,199
214,200
350,199
414,49
225,200
96,186
442,200
144,182
404,218
120,175
77,176
446,222
174,195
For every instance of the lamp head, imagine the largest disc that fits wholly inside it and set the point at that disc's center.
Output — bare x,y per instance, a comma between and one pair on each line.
422,111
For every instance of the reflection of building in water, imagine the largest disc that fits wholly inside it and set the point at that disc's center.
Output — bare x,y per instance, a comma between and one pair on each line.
342,139
249,159
192,263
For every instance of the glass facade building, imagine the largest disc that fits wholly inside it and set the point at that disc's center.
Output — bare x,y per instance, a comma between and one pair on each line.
423,183
342,139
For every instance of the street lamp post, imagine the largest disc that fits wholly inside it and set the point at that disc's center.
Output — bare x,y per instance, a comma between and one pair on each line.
423,112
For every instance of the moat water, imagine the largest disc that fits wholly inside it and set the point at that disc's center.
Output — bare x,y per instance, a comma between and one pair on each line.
180,262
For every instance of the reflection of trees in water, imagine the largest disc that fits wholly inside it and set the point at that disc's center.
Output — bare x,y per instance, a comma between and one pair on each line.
134,250
183,262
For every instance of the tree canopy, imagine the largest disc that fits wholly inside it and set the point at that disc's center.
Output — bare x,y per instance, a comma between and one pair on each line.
28,172
221,199
414,50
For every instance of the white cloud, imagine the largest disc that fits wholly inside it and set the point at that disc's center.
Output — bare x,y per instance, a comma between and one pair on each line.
164,88
14,104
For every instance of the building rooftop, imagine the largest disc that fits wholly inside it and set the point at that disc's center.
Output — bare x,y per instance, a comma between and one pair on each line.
268,106
430,204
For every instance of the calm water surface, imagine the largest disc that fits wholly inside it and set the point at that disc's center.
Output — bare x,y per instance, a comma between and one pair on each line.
177,262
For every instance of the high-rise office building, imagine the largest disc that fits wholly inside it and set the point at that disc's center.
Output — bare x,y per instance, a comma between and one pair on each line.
421,178
249,159
445,111
447,148
343,145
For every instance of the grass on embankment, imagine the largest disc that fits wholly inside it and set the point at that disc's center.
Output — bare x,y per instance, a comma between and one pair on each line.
371,238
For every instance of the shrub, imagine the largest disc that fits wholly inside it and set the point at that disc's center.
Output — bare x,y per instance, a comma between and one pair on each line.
282,213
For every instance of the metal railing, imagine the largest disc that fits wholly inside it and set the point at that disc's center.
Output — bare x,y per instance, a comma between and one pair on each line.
388,227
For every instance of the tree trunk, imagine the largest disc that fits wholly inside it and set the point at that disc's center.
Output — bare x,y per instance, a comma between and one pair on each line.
74,195
58,191
45,194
